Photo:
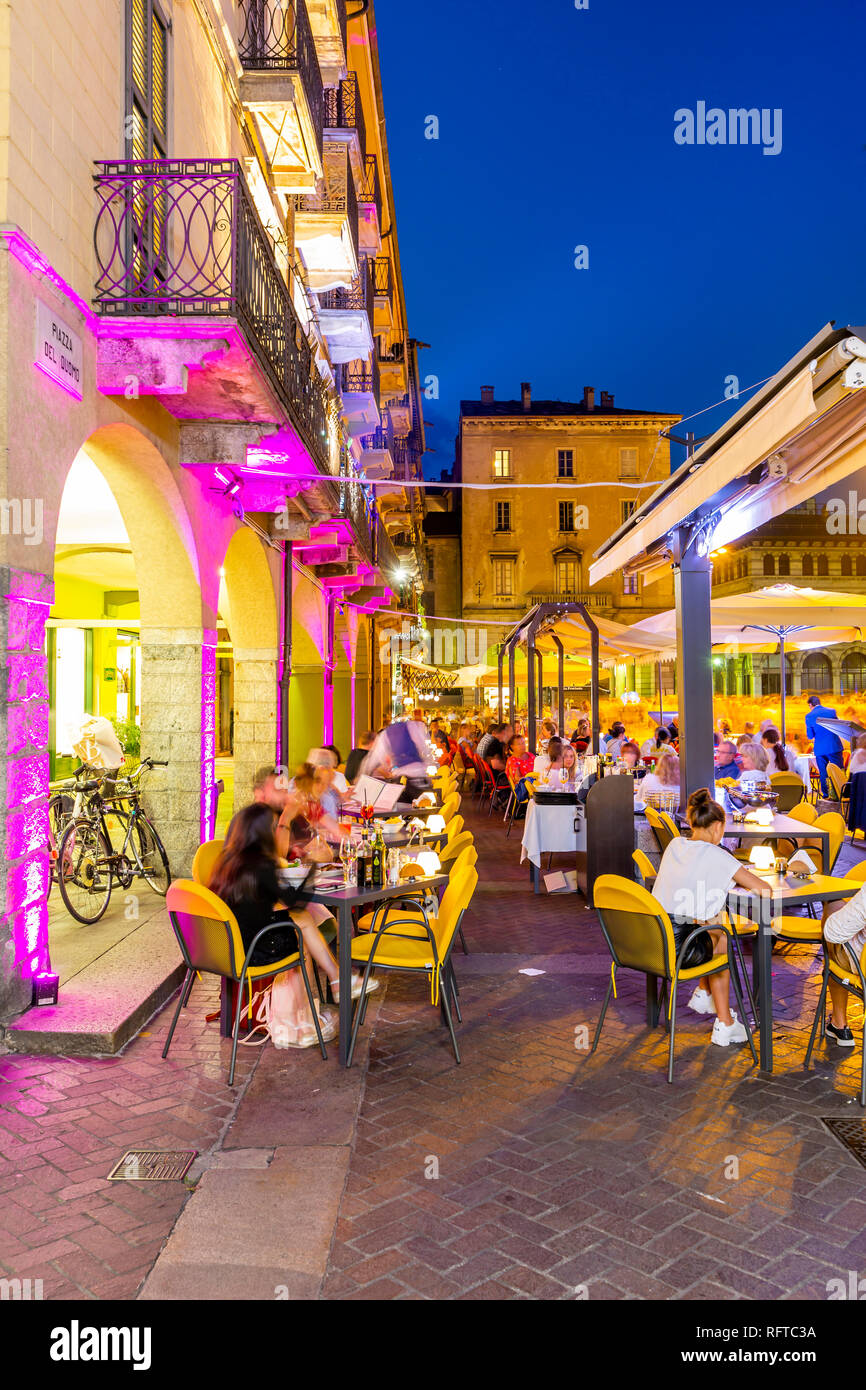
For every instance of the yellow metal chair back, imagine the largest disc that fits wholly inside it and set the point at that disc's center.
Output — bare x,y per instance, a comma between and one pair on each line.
206,929
453,848
790,789
804,811
637,928
838,778
644,866
857,872
661,831
452,907
205,858
450,807
467,858
669,824
454,828
835,823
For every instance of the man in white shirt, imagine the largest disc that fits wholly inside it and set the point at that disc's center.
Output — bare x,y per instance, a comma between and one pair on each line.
845,933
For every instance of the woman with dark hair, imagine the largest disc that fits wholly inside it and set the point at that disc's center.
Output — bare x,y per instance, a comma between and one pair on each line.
581,738
550,758
771,740
656,741
248,877
694,879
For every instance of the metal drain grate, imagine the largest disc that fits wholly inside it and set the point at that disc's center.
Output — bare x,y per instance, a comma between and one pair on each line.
153,1165
851,1133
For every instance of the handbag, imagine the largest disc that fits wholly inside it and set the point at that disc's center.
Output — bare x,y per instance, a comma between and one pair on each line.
699,949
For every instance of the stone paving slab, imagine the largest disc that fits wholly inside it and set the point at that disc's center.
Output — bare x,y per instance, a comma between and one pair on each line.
248,1232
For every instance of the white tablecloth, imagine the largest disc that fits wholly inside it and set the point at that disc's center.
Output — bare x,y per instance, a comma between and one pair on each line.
550,830
803,766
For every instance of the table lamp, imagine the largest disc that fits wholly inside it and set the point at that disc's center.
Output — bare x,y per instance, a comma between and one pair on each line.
762,857
436,824
428,860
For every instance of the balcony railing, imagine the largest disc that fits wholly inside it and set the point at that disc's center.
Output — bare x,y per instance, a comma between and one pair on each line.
277,37
338,195
359,377
595,599
182,237
370,191
359,296
379,440
343,109
382,276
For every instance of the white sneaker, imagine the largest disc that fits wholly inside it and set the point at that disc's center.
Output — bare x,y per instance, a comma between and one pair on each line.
726,1033
702,1002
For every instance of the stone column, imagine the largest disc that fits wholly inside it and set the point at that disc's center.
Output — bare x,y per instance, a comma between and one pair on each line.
178,713
255,726
25,599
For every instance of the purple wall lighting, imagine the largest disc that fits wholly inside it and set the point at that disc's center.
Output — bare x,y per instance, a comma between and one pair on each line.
208,741
28,600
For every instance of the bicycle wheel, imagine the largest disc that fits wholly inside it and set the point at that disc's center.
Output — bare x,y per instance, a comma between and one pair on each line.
84,871
59,811
150,852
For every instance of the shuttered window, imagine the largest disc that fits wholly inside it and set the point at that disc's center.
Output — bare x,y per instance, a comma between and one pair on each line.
146,81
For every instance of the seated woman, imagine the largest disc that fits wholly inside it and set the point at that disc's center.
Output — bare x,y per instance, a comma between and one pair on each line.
518,765
312,786
656,742
247,878
568,771
630,753
844,932
665,776
692,885
442,748
858,756
753,764
581,738
332,785
777,756
550,758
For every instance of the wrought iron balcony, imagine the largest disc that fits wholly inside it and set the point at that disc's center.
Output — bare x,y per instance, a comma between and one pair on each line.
338,195
343,109
382,281
277,37
358,297
361,378
182,237
370,190
377,441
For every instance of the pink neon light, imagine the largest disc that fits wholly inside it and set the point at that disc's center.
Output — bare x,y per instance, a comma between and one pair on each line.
24,251
208,741
76,396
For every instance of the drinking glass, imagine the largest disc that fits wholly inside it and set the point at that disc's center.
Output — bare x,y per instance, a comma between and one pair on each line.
348,855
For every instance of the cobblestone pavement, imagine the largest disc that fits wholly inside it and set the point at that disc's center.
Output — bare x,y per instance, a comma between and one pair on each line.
531,1171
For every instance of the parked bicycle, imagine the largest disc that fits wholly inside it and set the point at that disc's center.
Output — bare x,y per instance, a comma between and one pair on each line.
87,864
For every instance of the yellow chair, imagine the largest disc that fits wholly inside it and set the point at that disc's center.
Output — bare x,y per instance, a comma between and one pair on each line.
205,859
462,769
662,827
640,937
210,940
454,828
852,978
804,811
790,789
838,779
835,824
450,807
408,911
387,950
858,872
645,868
795,929
454,847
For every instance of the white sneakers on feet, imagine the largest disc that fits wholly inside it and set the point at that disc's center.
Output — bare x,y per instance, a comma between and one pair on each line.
726,1033
701,1002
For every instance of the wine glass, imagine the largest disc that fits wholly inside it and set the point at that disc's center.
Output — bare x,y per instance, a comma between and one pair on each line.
348,855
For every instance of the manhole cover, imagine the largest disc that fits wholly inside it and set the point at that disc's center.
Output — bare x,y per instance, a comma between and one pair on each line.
153,1165
851,1133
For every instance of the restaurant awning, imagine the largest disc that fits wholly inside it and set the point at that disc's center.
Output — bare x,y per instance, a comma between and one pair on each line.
829,617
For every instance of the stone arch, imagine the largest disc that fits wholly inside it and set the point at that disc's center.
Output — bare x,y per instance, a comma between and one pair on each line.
253,623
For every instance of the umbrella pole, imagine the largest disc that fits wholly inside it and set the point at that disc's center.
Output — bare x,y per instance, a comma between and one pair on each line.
661,692
782,680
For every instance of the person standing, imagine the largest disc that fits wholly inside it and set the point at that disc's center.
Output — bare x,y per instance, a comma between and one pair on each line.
827,746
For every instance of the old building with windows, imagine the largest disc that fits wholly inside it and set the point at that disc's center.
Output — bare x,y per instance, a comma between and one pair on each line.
560,478
206,363
806,550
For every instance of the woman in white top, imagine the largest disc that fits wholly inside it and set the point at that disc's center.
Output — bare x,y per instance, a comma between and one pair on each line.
692,885
664,778
845,933
858,756
779,758
754,764
551,758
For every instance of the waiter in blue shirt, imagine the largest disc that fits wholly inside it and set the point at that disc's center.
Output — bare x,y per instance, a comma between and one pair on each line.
827,746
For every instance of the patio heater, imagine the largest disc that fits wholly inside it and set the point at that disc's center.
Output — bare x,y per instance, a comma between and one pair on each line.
780,631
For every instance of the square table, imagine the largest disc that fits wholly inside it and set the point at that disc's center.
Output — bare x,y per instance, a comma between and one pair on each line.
820,888
341,901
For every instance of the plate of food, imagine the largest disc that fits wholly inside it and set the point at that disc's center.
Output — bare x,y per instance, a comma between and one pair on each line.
295,872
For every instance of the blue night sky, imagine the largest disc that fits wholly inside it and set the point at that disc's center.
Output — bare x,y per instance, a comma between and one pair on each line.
556,129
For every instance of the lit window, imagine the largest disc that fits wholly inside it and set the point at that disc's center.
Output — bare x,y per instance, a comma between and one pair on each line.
502,463
503,516
769,564
628,463
566,516
567,575
823,565
626,507
564,464
503,576
847,566
630,584
808,566
784,564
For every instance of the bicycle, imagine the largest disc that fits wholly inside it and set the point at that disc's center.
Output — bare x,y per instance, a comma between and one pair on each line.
88,865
